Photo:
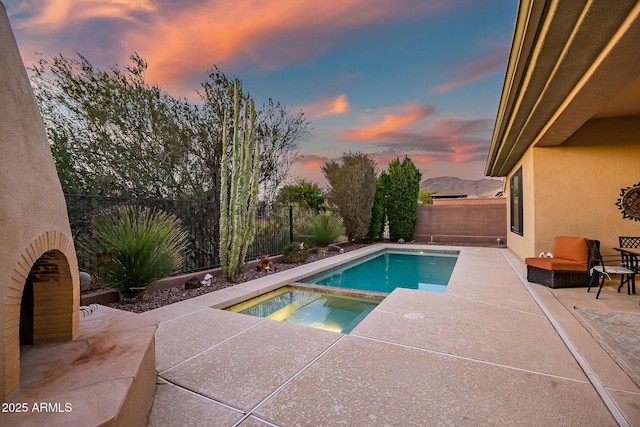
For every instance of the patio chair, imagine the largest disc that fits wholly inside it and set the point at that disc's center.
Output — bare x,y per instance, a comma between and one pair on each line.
602,271
628,242
568,268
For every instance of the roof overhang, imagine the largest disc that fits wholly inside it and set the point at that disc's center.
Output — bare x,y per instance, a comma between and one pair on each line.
570,61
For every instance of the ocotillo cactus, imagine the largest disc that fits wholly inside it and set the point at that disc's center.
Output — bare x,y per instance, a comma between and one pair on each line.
239,187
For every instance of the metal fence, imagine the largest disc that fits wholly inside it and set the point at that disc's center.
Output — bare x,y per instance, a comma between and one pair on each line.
274,228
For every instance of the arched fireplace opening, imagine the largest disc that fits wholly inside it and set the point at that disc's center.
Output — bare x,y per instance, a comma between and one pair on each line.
46,304
26,315
41,306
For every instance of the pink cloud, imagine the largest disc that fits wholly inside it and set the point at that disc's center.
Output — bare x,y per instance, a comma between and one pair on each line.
311,161
308,166
452,140
55,14
406,115
466,153
384,158
326,107
475,69
452,155
183,39
95,28
453,127
267,35
447,159
439,135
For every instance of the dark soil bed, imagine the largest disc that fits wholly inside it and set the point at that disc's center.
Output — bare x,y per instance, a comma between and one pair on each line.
162,297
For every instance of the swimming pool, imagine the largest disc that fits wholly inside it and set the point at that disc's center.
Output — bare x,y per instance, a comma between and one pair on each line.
390,269
320,310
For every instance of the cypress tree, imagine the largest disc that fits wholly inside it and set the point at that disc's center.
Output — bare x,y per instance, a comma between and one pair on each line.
401,202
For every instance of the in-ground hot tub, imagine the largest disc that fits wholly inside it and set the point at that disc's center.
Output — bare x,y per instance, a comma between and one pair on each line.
309,307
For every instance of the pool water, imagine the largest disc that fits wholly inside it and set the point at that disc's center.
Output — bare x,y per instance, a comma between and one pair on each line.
384,272
309,308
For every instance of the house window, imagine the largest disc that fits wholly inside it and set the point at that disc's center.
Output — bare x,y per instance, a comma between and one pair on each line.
515,196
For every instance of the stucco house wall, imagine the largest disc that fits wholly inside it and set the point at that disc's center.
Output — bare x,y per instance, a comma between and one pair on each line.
579,182
522,245
572,189
34,228
569,115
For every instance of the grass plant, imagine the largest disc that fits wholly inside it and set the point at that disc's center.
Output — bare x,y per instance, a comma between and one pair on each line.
321,230
145,245
294,253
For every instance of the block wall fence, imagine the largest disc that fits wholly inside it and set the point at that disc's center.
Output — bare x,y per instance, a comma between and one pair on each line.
463,221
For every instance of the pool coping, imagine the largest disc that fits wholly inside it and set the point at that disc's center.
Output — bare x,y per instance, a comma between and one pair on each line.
227,297
346,292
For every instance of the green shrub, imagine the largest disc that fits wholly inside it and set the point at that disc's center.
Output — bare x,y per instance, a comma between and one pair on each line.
144,245
401,203
424,197
294,253
377,211
321,230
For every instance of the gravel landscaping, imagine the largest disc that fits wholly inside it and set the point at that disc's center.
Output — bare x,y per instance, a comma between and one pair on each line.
162,297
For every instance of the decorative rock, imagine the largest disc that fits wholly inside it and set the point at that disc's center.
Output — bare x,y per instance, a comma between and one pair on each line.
264,263
207,280
193,283
85,281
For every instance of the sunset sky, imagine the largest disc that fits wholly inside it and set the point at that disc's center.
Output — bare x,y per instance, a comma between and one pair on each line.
390,78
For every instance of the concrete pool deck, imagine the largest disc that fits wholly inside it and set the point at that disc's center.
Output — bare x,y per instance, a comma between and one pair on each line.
482,353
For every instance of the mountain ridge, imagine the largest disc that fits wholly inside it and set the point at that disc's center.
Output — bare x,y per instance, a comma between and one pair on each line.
451,185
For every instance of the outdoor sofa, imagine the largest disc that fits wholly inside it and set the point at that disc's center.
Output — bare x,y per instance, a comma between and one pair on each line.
568,268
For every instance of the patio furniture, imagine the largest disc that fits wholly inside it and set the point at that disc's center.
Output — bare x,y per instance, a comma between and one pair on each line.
630,260
603,271
569,267
629,241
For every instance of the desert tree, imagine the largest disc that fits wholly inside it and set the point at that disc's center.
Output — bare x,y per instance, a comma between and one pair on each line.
352,186
302,193
112,133
278,130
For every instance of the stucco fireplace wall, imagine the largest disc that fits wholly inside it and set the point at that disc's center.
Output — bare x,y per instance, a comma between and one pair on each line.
36,245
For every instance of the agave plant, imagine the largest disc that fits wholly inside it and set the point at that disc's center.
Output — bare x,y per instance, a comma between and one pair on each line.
321,230
145,245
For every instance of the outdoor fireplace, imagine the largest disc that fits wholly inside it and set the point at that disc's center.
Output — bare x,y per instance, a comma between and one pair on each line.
39,285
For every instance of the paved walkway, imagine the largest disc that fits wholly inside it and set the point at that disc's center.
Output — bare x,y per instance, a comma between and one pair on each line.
483,353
